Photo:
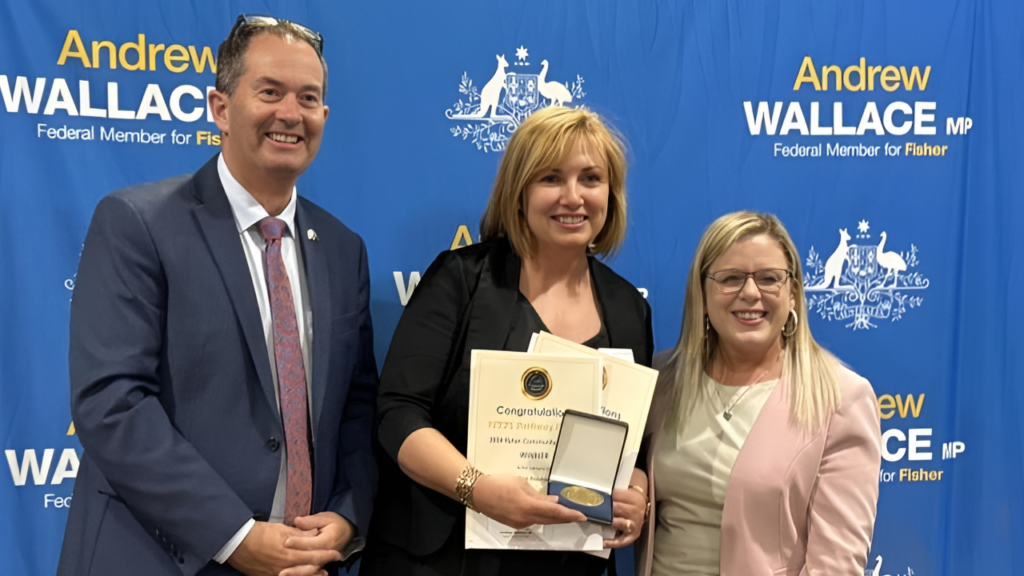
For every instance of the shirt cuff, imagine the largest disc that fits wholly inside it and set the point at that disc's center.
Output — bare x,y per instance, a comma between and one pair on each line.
232,544
354,545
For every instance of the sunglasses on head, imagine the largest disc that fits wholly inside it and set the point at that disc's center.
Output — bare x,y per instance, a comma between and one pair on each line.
260,20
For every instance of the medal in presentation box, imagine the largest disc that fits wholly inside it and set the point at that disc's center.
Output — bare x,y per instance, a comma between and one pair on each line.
626,392
516,404
585,464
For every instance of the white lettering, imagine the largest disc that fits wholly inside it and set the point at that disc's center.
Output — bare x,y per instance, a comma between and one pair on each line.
763,117
153,103
404,292
60,97
84,101
32,99
898,454
176,95
112,110
29,463
67,466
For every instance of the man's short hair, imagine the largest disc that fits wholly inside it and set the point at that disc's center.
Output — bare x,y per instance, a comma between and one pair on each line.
231,54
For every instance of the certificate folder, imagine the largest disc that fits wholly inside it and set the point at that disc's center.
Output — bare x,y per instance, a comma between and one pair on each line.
585,463
626,393
516,405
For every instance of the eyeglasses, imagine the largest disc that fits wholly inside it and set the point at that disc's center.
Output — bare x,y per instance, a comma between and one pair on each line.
770,280
258,20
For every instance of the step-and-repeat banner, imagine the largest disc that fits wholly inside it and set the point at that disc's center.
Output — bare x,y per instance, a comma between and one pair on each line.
885,135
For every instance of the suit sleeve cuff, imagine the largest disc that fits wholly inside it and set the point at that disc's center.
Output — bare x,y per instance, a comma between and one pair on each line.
354,545
232,544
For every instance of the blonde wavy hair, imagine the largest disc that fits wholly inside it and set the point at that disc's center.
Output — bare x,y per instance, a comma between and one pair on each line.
540,143
810,369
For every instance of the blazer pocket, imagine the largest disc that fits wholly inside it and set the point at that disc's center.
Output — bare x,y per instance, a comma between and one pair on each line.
110,494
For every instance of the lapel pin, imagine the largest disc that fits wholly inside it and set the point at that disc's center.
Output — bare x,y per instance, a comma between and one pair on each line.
311,234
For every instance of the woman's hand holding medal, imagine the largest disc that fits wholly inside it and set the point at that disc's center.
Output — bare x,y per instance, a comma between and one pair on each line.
511,500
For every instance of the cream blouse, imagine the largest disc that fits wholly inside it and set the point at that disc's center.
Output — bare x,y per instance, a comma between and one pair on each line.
692,468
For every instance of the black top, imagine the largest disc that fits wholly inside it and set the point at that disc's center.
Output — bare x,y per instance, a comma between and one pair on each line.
526,322
466,300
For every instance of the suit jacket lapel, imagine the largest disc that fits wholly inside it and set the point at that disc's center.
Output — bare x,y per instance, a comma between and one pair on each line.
494,301
221,234
620,318
318,287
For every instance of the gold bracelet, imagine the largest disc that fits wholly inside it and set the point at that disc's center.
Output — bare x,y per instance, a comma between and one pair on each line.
647,508
464,486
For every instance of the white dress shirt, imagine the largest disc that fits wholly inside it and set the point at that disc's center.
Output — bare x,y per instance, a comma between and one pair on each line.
247,213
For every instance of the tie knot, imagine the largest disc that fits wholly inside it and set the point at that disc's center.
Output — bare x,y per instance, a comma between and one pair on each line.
272,228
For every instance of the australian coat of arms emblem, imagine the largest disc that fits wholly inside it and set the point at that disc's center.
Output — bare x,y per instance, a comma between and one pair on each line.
488,116
863,283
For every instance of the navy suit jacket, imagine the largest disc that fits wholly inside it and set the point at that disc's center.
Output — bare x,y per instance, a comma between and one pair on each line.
171,387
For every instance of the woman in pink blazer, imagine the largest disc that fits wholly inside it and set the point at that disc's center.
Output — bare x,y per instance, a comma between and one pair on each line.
763,450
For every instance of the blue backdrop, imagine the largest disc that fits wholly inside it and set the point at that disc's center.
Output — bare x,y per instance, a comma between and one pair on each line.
845,119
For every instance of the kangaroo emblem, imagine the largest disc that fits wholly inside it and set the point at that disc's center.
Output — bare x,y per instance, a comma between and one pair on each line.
491,92
834,264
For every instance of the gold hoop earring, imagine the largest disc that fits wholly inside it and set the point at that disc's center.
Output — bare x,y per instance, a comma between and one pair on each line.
796,322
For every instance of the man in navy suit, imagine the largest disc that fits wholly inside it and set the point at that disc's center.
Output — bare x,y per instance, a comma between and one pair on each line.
222,371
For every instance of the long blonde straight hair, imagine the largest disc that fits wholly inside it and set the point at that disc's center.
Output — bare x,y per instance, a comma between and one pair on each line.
809,368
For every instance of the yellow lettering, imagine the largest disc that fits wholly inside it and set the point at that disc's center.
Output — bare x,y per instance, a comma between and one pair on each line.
825,70
861,71
139,48
176,53
111,51
915,76
940,474
807,74
886,406
208,138
200,63
915,409
153,49
890,78
872,72
462,235
904,473
73,40
71,429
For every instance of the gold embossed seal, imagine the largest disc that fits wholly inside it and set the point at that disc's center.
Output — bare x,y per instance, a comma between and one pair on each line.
537,383
581,495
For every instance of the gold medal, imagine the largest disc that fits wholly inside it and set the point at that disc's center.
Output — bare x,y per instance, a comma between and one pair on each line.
581,495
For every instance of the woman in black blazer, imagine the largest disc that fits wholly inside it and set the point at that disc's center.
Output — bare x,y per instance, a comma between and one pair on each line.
558,198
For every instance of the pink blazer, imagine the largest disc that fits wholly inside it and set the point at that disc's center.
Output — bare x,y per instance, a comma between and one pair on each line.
797,504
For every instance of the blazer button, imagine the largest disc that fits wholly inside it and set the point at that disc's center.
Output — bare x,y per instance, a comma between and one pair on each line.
273,444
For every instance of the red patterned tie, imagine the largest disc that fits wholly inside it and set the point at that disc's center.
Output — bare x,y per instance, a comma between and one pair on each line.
291,375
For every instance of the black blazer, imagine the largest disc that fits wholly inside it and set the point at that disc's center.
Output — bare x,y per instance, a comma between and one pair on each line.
465,301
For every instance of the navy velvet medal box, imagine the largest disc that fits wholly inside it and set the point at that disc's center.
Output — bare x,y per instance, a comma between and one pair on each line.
585,463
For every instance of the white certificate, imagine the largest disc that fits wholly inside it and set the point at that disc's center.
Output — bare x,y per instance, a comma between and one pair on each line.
626,393
516,403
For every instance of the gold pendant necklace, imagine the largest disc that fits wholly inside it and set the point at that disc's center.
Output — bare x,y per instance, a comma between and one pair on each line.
727,413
